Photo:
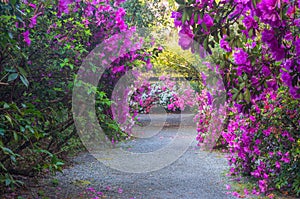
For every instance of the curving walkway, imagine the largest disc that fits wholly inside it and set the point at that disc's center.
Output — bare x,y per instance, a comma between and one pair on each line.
197,174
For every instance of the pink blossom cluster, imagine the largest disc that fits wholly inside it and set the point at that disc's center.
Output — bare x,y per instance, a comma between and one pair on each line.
166,93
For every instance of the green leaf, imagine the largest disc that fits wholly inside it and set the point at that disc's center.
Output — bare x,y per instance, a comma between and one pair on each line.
196,17
7,151
6,106
180,1
10,35
242,85
184,16
16,137
59,163
204,26
22,129
9,119
189,13
24,80
205,43
13,2
22,71
247,95
13,76
7,181
254,3
2,132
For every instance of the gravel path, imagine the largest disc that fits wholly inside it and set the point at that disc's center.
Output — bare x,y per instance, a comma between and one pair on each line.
197,174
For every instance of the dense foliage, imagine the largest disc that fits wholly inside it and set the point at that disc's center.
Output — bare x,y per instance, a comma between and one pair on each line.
260,69
254,47
42,46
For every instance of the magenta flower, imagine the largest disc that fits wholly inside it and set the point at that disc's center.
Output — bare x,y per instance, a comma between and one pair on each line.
225,45
267,12
33,21
100,193
266,71
177,19
268,37
91,189
262,185
272,83
228,187
241,57
89,10
32,5
63,7
26,37
118,69
250,23
285,158
277,165
255,192
246,192
185,37
209,22
120,190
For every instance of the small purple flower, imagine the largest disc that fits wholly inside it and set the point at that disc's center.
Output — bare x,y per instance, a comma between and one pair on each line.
272,83
120,190
250,22
185,37
267,12
33,21
277,165
255,192
177,18
63,7
228,187
118,69
26,37
246,192
241,57
91,189
262,185
100,193
266,71
225,45
209,22
236,194
268,36
32,5
267,132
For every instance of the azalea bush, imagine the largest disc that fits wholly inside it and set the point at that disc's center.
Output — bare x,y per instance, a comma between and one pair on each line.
43,44
264,144
171,95
259,61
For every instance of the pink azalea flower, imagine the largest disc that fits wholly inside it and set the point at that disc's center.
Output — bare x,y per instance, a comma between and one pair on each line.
118,69
228,187
26,37
32,5
33,21
120,190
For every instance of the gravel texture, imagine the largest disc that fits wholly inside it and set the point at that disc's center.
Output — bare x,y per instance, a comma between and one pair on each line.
197,174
